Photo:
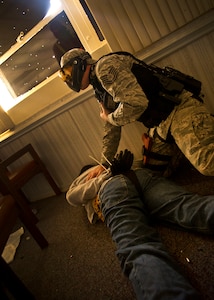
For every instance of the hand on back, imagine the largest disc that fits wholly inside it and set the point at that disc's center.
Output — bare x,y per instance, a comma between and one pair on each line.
95,172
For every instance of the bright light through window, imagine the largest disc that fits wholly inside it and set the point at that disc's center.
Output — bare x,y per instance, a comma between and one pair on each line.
55,5
6,100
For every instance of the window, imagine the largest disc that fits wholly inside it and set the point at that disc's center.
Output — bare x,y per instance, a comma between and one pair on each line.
18,16
39,58
29,69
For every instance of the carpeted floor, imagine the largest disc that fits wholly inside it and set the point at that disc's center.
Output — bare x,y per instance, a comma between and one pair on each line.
80,261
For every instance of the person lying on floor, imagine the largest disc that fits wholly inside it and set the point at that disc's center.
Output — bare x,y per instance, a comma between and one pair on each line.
129,201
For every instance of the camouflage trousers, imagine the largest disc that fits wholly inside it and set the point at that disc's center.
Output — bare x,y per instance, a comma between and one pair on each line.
192,129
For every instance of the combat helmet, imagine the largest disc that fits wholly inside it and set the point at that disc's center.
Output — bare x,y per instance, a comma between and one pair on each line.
73,65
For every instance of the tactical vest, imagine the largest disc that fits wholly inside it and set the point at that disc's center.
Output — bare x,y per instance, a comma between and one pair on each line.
162,88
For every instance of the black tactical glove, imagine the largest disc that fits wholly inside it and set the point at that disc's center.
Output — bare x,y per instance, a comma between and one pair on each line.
122,162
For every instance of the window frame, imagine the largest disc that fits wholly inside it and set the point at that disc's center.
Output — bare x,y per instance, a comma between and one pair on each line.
88,37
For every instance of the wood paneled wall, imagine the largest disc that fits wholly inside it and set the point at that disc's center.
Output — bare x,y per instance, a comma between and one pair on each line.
133,25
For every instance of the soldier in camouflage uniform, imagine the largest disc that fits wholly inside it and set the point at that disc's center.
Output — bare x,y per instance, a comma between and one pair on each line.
189,125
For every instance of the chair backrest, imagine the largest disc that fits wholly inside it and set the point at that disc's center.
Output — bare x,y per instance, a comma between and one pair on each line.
3,181
20,167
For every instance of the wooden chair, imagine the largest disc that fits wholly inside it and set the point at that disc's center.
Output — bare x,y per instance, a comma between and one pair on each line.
10,210
17,170
19,175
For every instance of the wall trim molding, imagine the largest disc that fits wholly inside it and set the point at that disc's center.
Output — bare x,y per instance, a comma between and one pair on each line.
45,115
151,54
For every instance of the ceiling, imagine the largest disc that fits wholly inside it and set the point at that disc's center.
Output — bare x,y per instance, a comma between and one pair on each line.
38,58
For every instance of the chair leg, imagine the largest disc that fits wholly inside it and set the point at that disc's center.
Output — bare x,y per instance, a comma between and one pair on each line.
34,230
23,203
51,181
12,283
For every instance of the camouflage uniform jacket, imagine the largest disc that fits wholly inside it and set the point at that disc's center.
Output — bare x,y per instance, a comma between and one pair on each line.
114,73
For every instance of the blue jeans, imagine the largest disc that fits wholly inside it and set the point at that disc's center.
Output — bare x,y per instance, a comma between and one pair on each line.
143,258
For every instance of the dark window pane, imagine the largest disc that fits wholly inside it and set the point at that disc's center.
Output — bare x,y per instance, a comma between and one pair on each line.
17,16
39,58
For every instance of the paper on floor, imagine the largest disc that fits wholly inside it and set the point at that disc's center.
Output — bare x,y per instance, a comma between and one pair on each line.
12,244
